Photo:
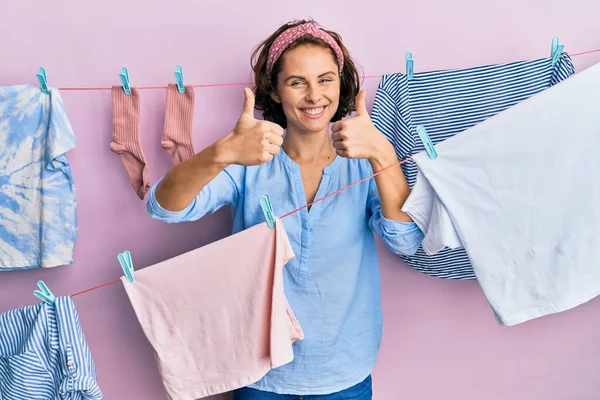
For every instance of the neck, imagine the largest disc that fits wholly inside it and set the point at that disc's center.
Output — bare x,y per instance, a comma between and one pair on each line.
308,147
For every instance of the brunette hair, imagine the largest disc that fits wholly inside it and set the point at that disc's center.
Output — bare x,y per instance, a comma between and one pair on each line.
266,83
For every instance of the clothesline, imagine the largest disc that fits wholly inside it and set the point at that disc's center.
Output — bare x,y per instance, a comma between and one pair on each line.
300,208
281,217
247,83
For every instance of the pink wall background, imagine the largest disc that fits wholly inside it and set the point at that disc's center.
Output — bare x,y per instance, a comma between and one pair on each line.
440,339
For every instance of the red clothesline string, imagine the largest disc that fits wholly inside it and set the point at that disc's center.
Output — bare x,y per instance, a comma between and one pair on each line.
281,217
96,287
246,83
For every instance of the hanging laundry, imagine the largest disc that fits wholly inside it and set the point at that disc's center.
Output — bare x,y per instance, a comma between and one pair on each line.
177,133
38,220
521,191
44,355
126,141
217,317
447,103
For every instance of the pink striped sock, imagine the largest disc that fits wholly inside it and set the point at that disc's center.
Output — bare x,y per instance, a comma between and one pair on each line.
126,140
177,133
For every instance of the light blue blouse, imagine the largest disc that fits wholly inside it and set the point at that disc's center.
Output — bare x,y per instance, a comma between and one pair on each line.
332,284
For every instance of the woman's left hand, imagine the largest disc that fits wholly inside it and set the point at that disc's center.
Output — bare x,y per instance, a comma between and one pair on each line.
357,137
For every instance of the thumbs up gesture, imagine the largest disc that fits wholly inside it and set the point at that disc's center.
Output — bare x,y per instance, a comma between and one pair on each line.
357,137
252,141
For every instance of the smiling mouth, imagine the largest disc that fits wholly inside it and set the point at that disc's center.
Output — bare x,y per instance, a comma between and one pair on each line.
313,112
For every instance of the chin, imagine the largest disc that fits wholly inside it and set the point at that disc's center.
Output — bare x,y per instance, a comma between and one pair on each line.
312,128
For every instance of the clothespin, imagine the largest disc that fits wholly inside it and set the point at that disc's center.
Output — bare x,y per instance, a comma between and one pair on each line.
124,76
556,51
267,208
409,66
427,142
44,293
126,264
43,80
179,79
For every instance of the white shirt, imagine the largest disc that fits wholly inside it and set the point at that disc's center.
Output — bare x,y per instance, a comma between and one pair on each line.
521,193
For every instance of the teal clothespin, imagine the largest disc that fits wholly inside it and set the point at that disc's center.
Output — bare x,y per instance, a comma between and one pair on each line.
44,293
410,64
124,76
43,80
267,207
427,142
556,51
126,264
179,79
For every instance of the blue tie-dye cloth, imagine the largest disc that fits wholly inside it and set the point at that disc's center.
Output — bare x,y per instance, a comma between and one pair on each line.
38,221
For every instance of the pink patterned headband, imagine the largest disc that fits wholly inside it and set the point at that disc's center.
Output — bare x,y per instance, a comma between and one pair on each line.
288,36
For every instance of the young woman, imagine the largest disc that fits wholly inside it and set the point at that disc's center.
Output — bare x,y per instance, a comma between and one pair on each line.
305,80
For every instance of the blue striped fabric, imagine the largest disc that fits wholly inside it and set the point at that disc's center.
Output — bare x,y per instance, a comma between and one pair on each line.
44,356
447,103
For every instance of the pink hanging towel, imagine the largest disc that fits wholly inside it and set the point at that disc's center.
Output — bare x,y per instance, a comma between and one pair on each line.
217,317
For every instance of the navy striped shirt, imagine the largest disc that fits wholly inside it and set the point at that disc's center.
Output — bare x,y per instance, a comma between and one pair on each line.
43,354
447,103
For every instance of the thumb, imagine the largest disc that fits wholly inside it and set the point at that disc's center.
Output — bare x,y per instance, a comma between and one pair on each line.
361,103
248,110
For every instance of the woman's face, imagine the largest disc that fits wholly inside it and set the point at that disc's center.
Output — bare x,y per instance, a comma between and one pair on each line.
308,88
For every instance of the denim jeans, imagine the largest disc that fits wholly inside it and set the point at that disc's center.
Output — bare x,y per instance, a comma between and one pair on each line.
361,391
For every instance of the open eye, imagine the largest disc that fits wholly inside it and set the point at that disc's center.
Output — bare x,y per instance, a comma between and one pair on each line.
297,83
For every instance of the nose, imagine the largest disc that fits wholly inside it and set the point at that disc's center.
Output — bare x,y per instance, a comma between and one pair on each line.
313,94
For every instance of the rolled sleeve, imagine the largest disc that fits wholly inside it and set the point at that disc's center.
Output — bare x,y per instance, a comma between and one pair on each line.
221,191
400,237
156,211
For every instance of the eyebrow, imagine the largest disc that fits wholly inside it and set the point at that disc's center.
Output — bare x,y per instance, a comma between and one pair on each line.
304,78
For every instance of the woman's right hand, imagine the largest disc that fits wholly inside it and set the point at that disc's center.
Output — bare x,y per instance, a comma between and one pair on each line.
252,141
